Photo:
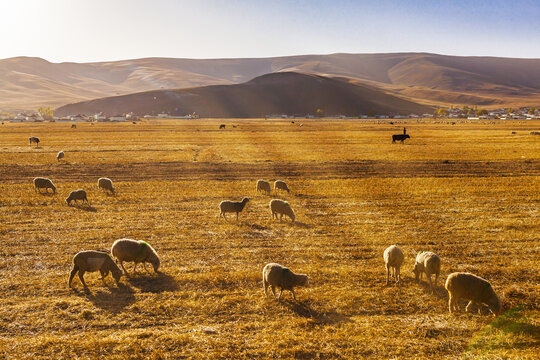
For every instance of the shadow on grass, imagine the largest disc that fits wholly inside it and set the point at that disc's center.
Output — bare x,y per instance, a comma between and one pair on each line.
114,300
302,225
153,283
87,208
325,317
438,291
47,193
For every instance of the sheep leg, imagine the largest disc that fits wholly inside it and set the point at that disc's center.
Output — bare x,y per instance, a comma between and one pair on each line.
280,217
81,273
293,295
236,217
430,283
273,290
436,278
122,264
104,273
145,268
265,285
387,274
280,292
450,304
397,276
468,307
72,274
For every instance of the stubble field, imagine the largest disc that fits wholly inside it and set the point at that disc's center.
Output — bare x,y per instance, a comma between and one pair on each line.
469,192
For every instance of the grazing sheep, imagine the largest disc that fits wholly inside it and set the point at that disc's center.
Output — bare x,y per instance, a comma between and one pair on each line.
281,207
60,155
263,185
137,251
227,206
400,137
393,258
470,287
73,126
281,185
33,139
77,195
276,275
90,261
222,126
105,184
429,263
43,183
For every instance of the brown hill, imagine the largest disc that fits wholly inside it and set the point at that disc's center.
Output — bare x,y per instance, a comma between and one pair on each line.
276,93
26,83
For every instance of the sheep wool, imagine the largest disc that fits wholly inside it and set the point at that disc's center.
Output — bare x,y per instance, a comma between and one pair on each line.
136,251
429,263
280,207
264,186
393,259
91,261
461,285
43,183
276,275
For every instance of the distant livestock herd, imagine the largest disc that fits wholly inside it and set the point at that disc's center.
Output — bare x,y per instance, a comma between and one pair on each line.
459,285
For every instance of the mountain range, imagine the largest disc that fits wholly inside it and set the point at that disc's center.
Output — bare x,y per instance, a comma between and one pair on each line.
431,79
274,93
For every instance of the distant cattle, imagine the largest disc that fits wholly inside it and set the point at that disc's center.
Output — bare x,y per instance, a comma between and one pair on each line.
33,139
400,137
222,126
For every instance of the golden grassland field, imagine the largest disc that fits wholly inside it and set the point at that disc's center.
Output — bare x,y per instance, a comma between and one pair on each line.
468,191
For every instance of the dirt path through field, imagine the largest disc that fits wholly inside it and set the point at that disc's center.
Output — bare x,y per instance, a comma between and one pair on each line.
244,171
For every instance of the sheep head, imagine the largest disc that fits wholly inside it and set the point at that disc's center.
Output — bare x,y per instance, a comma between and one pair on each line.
301,280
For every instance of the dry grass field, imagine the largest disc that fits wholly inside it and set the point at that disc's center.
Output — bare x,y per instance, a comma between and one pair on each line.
469,192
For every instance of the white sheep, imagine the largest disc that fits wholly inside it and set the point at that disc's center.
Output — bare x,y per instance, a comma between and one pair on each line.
137,251
281,185
105,184
393,258
91,261
43,183
461,285
77,195
263,185
227,206
60,155
275,275
281,207
429,263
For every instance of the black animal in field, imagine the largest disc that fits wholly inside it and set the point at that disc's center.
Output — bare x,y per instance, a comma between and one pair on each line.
400,137
33,139
222,126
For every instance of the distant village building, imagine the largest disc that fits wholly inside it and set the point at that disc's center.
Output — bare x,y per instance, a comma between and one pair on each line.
99,117
117,118
77,118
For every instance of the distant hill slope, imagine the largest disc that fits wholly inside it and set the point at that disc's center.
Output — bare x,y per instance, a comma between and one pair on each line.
429,78
276,93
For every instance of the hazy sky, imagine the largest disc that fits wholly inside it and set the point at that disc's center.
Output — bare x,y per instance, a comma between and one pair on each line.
101,30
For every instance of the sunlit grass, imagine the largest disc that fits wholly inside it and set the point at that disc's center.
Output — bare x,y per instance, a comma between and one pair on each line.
209,301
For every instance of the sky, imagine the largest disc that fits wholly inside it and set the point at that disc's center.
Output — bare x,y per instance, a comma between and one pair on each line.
107,30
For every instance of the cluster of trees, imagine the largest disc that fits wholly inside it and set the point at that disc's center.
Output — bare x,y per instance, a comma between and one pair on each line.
46,113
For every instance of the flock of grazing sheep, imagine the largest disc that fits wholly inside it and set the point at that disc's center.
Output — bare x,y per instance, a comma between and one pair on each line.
459,285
